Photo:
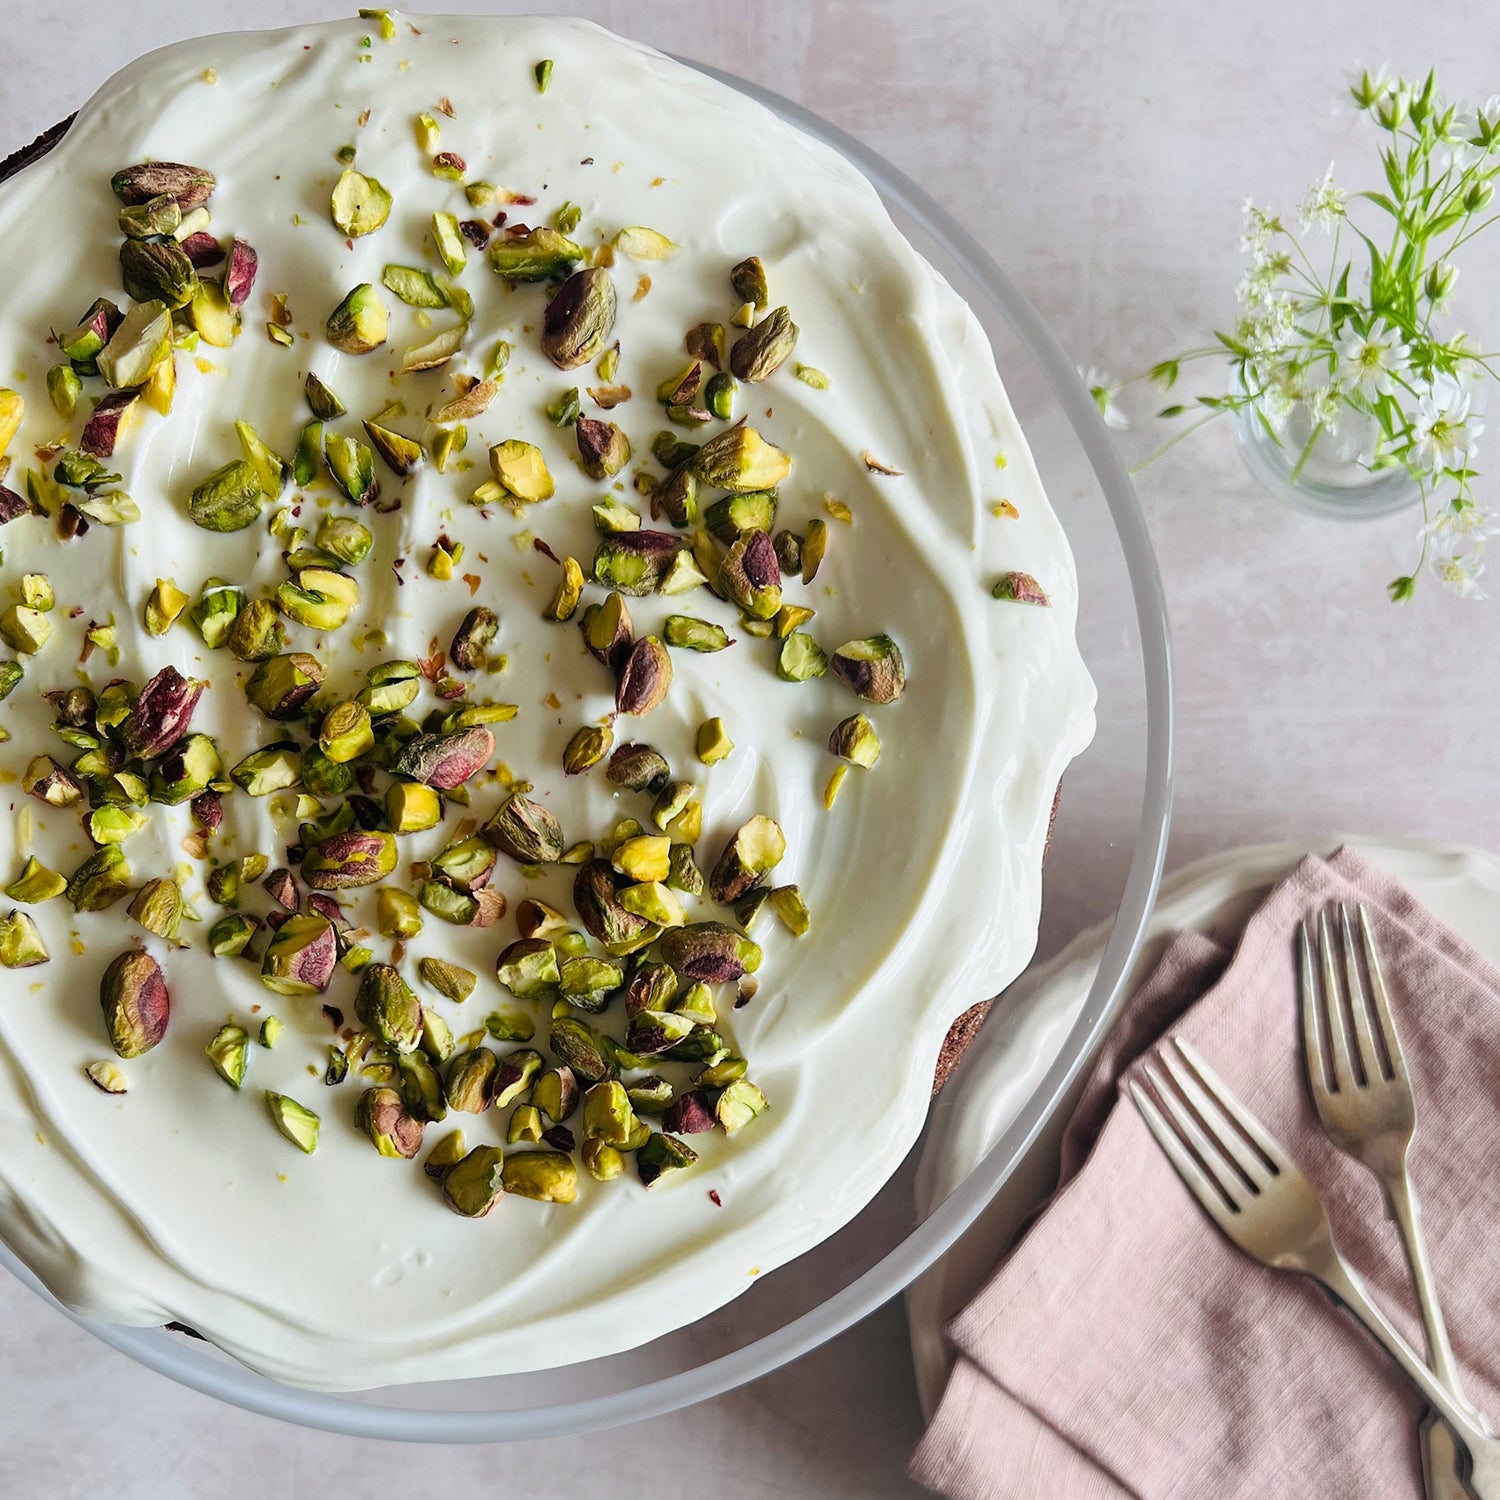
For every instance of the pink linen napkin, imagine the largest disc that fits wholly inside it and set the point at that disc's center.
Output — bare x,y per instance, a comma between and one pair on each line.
1126,1348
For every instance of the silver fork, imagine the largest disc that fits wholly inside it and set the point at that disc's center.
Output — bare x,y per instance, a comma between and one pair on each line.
1364,1098
1256,1194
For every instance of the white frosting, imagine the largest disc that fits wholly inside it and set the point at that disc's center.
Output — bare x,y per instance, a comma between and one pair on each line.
179,1200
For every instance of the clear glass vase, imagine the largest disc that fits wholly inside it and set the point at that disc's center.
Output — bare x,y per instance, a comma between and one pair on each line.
1331,480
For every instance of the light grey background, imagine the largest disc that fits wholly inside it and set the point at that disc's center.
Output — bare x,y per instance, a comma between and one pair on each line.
1101,151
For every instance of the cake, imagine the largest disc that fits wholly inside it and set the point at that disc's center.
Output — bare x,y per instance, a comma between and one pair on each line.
537,666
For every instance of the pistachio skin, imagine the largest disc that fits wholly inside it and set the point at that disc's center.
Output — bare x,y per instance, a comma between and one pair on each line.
355,857
389,1007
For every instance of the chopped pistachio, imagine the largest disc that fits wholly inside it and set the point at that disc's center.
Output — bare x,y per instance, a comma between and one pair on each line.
564,411
713,743
359,204
295,1121
300,958
521,471
397,913
579,319
447,238
801,658
748,280
447,1153
689,633
759,353
346,539
100,881
159,271
750,576
611,517
230,935
63,389
1019,588
272,769
21,945
270,1031
414,286
835,781
163,606
107,1077
318,598
644,678
543,74
448,979
322,402
756,848
229,1052
872,669
36,883
588,746
538,255
346,732
854,740
229,499
360,322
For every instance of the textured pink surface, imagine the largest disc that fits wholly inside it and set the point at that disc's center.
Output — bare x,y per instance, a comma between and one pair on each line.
1126,1348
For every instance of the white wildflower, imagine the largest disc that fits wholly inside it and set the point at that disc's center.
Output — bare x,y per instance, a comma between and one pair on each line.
1323,204
1260,225
1463,520
1444,433
1324,405
1103,387
1459,571
1372,361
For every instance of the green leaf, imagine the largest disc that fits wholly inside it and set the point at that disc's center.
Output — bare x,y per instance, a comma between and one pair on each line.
1380,201
1172,411
1392,173
1235,346
1165,374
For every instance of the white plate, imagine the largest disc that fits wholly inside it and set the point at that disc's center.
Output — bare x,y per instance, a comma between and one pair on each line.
1215,896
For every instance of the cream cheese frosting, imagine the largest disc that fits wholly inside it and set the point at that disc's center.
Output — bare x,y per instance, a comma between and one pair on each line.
178,1201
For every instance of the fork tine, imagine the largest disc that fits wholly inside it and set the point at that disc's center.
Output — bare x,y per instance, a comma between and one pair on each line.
1359,1005
1379,998
1197,1180
1264,1141
1209,1145
1312,1015
1216,1121
1333,1009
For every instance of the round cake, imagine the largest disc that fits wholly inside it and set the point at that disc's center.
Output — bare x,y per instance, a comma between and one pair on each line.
536,667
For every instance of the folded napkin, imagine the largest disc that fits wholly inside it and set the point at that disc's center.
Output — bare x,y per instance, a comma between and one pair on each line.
1125,1348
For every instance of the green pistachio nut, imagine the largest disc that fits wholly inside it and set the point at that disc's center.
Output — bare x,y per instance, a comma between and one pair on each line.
683,873
158,271
228,500
389,1007
229,1052
854,740
739,1104
555,1094
411,807
360,323
473,1186
393,1130
546,1176
471,1080
446,1154
537,255
272,769
158,907
137,348
741,460
473,638
589,983
661,1155
21,945
281,687
359,205
133,996
644,678
521,472
230,936
346,732
528,968
735,516
579,319
36,883
391,687
526,831
713,743
295,1121
301,956
759,353
514,1075
872,669
353,857
755,849
448,979
748,279
710,951
319,598
801,658
100,881
352,464
578,1047
467,864
525,1125
596,890
397,914
638,768
635,562
750,577
788,904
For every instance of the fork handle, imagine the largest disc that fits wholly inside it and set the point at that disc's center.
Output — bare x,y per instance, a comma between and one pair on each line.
1407,1213
1343,1281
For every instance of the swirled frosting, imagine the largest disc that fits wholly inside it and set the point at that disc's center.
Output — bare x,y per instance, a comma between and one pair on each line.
178,1200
